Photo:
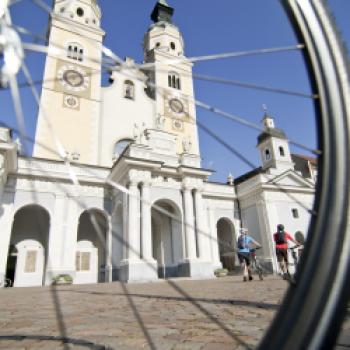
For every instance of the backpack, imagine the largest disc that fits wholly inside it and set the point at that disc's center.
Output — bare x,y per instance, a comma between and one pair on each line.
241,242
280,237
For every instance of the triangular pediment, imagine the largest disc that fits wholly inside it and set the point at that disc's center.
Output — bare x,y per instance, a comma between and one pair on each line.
291,178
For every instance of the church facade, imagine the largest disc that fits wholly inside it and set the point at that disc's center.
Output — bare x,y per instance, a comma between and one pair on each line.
115,189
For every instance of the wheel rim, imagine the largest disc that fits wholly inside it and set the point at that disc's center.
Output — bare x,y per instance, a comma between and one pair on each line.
319,299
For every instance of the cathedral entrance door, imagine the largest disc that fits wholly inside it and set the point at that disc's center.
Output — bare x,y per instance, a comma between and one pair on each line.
167,240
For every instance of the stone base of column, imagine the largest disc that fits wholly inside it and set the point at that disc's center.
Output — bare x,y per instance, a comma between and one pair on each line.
196,269
217,265
138,271
2,279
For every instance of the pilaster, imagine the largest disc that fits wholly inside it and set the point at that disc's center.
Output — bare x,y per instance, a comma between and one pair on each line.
189,224
203,235
6,221
214,244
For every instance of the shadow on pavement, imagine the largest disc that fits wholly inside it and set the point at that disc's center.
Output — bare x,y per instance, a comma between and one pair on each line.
63,340
239,302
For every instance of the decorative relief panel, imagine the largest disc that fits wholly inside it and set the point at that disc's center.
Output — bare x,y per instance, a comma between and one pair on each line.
30,263
82,261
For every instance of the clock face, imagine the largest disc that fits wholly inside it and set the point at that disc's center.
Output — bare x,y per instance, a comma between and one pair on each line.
176,105
73,78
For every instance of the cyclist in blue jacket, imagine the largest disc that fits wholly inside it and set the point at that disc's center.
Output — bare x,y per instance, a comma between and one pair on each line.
244,243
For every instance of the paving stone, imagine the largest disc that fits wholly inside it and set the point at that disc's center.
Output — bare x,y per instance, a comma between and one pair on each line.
218,314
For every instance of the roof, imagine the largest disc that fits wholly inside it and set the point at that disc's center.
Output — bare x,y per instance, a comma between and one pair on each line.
249,175
271,132
312,160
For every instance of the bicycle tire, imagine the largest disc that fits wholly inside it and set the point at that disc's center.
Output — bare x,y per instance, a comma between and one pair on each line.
320,295
313,301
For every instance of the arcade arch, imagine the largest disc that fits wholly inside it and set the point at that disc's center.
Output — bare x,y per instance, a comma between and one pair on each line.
226,243
28,253
167,238
91,252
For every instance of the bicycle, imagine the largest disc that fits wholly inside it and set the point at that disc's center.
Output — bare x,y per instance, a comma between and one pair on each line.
294,252
256,266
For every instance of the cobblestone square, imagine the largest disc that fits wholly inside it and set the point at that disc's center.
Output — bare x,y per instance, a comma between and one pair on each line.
225,313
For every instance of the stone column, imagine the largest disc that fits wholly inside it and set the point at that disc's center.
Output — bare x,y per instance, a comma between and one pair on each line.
203,235
189,224
146,222
134,269
133,242
109,264
56,240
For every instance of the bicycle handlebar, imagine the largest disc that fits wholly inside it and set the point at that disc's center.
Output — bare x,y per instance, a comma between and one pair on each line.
296,246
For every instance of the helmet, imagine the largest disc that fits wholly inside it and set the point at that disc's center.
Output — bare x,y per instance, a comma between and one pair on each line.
243,231
280,227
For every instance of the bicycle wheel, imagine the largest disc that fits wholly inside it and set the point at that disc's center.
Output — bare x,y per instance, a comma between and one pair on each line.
319,299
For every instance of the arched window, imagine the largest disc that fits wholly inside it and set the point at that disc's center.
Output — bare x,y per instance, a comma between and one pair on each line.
281,151
120,146
267,154
129,89
174,80
75,51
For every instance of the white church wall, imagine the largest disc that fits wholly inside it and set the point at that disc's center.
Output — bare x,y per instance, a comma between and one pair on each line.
250,220
284,206
119,123
219,208
64,238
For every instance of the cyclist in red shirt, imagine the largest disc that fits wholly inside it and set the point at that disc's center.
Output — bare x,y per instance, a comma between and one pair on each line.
281,239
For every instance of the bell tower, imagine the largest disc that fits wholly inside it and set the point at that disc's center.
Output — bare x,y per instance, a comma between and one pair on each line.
71,94
171,78
274,147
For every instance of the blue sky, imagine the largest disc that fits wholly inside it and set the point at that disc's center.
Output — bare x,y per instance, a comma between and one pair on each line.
209,27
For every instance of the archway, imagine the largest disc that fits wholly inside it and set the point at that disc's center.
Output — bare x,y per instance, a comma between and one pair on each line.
227,243
91,252
167,238
27,254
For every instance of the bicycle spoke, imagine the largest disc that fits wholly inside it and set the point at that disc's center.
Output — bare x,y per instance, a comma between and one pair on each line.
251,86
18,111
227,55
